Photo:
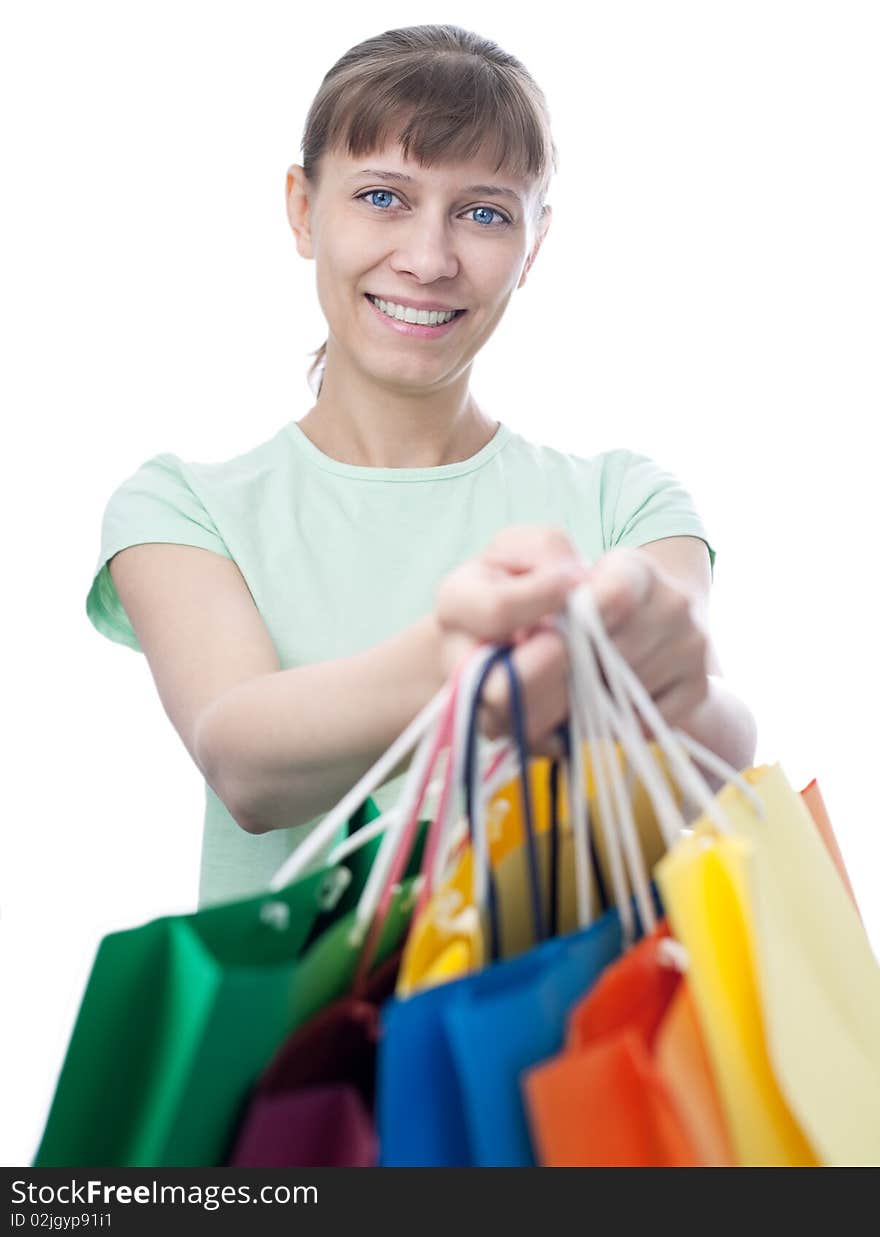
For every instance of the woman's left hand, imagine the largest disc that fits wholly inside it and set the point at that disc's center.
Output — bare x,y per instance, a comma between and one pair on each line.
652,621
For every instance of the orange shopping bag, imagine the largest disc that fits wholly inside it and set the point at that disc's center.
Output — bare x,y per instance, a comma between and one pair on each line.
683,1063
812,797
603,1102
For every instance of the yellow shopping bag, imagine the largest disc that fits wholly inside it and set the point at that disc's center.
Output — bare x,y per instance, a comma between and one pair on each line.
819,979
446,940
509,854
704,884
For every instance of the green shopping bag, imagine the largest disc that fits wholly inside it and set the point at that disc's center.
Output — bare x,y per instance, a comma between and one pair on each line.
180,1016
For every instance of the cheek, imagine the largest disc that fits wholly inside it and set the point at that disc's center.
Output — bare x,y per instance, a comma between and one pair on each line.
343,251
496,274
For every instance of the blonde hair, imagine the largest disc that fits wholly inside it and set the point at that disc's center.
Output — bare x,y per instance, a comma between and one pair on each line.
445,95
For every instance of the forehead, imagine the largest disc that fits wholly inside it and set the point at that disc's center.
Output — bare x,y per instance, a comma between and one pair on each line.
478,174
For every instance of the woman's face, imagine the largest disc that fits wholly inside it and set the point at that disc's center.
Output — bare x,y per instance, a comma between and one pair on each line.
438,239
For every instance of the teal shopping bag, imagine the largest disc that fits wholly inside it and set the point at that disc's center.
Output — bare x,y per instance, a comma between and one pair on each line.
177,1017
180,1016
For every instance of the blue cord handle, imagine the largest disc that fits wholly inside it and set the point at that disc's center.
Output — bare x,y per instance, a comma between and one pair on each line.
519,732
564,734
469,762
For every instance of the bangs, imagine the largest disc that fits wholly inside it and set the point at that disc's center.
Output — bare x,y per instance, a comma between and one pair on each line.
445,109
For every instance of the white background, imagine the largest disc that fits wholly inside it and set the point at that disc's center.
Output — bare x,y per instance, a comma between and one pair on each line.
707,294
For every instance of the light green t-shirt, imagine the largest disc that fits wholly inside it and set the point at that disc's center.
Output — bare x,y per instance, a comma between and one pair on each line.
340,557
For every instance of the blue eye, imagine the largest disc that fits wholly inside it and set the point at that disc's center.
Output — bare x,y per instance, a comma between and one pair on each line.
374,192
489,210
387,194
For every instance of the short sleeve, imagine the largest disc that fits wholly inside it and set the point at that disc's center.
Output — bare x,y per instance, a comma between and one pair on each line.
645,503
156,503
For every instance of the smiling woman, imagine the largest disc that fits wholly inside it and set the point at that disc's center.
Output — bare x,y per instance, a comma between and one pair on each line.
441,97
300,603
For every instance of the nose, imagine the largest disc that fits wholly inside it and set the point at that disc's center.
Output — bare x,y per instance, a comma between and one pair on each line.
426,248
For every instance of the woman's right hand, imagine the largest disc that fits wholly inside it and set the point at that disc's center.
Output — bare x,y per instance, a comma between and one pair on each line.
509,594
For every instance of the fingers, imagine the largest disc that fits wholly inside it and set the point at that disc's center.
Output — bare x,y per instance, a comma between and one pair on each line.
680,700
490,603
670,619
523,547
509,595
541,664
552,747
622,582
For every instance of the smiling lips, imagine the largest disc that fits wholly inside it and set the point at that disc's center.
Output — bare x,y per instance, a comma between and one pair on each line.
407,320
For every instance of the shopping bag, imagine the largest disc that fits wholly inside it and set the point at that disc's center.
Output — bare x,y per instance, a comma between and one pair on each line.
683,1064
326,970
177,1019
705,887
180,1015
326,1126
510,858
812,797
447,938
450,1056
819,980
703,884
784,979
602,1102
313,1104
338,1044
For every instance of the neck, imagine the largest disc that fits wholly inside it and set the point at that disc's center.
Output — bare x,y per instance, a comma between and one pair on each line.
356,421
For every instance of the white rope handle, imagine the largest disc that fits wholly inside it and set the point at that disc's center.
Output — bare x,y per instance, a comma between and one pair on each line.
323,833
638,754
503,774
589,699
578,804
582,628
375,883
464,706
613,724
372,892
685,772
715,764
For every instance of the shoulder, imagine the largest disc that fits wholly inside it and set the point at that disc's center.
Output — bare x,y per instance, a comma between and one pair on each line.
553,460
210,505
603,472
633,497
648,501
169,475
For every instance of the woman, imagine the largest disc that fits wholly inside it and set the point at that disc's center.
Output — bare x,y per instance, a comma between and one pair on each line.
300,603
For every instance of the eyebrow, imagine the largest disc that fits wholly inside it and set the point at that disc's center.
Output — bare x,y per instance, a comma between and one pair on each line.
403,179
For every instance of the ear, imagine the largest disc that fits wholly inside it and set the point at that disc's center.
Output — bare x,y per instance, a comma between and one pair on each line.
542,232
296,198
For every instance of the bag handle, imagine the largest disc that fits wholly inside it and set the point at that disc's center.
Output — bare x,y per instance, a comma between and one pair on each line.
389,864
517,705
618,701
323,833
440,843
563,731
590,702
680,749
391,857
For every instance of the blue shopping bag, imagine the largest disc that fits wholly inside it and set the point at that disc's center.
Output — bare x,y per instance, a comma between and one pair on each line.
450,1057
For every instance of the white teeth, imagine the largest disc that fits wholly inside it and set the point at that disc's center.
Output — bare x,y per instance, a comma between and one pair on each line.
424,317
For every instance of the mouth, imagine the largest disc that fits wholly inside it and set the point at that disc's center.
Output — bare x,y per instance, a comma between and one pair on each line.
423,327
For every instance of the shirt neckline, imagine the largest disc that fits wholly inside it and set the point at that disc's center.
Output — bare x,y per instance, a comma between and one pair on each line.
360,472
